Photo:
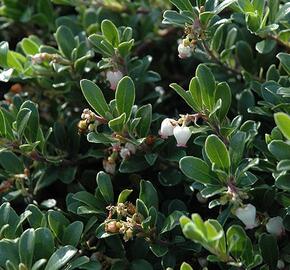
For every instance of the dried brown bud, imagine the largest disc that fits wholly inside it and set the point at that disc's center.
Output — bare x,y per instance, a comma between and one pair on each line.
16,88
131,208
26,172
137,218
150,140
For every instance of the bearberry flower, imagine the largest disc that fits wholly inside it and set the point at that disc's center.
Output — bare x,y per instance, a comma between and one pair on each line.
280,264
247,215
182,135
125,153
184,51
166,129
275,226
114,77
109,166
131,147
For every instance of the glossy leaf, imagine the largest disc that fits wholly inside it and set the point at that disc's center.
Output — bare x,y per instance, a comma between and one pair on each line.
60,257
198,170
95,97
217,152
125,96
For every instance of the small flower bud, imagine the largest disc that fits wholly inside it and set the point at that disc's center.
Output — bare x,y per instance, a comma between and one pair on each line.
109,166
116,147
16,88
131,208
184,51
41,57
128,234
280,264
247,215
125,153
182,135
150,140
202,261
91,127
275,226
166,128
114,77
131,147
200,198
138,218
111,227
82,126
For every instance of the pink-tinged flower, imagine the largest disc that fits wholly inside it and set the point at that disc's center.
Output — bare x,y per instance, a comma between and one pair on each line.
184,51
275,226
166,129
125,153
114,77
182,135
109,166
247,215
131,147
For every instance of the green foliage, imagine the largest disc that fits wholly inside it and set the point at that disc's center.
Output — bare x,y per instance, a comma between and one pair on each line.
113,186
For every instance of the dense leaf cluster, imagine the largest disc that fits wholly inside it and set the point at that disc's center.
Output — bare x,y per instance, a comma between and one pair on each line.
144,134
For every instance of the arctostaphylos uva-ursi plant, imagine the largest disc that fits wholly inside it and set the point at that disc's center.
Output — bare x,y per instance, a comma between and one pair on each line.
146,134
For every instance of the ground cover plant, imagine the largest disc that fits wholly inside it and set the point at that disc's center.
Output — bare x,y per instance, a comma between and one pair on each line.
146,134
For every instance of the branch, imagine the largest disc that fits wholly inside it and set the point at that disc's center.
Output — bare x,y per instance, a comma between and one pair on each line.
280,42
233,71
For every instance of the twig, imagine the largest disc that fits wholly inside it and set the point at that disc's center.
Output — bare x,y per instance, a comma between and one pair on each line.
280,42
223,65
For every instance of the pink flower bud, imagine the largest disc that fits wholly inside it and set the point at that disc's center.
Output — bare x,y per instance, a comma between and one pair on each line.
125,153
247,215
182,135
114,77
166,128
275,226
184,51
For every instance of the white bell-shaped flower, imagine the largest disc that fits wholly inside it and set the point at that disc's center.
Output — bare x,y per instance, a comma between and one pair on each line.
275,226
184,51
109,166
166,128
280,264
182,135
131,147
114,77
125,153
247,215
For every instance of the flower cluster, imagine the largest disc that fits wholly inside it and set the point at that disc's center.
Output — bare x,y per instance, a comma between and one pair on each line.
171,127
128,222
39,58
122,150
90,121
247,215
178,128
